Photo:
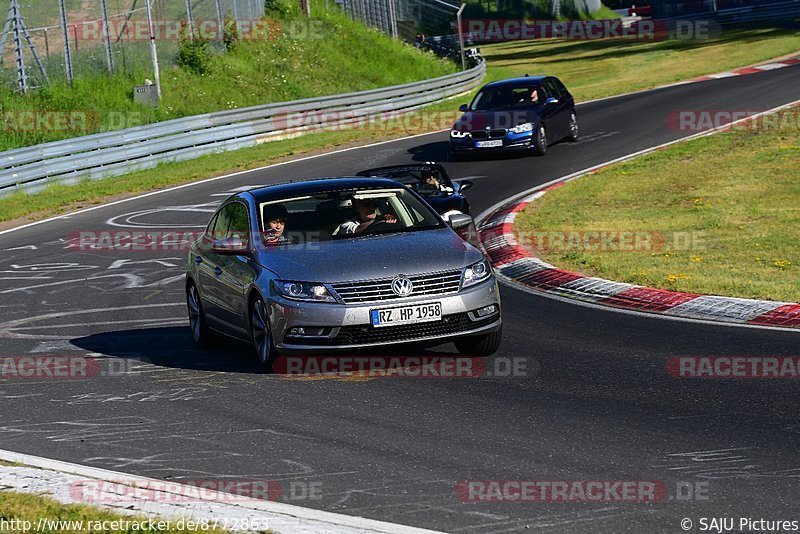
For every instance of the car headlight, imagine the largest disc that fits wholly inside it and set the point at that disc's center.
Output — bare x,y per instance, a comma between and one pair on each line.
458,135
476,273
522,128
303,291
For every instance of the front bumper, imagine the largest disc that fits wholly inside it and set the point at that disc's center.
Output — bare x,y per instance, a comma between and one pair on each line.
349,326
469,145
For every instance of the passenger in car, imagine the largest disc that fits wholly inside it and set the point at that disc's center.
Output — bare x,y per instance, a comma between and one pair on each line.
366,214
275,216
430,182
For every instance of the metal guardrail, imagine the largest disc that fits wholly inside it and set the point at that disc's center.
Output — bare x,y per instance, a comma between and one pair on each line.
119,152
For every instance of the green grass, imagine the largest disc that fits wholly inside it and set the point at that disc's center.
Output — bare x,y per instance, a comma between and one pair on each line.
599,68
17,506
736,194
344,57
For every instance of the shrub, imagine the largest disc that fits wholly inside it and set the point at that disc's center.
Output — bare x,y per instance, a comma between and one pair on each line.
194,53
230,34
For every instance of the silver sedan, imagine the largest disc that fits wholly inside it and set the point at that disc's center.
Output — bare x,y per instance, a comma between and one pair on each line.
339,263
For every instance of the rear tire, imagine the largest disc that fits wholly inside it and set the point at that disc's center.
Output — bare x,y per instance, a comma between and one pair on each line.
483,345
261,334
201,334
540,141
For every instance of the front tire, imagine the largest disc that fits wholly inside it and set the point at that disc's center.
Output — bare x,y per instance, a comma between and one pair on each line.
540,141
260,333
483,345
573,128
197,318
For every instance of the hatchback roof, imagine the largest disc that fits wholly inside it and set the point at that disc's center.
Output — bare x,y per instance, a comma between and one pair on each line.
514,82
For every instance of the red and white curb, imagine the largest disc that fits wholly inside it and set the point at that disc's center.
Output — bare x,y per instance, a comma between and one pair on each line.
749,70
515,265
753,69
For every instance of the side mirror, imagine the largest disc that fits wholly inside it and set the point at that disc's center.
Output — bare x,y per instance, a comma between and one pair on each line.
458,221
551,101
464,185
230,246
463,107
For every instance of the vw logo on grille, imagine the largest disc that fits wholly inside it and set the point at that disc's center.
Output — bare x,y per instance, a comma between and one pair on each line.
402,286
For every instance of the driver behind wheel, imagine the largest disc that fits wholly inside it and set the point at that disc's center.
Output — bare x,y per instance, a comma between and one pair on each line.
365,216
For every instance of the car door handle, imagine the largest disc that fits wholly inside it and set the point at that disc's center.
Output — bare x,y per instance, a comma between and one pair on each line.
217,271
198,259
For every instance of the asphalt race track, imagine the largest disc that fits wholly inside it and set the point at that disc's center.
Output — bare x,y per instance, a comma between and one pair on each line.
596,403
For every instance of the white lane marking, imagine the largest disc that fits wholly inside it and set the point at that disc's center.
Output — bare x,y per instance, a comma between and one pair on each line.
129,220
158,395
161,261
49,267
24,247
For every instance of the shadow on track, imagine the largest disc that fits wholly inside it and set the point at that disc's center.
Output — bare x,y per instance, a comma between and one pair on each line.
172,347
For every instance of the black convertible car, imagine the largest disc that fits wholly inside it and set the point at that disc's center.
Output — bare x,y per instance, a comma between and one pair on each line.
431,182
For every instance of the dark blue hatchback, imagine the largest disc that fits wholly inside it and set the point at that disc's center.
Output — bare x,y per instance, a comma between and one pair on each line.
526,114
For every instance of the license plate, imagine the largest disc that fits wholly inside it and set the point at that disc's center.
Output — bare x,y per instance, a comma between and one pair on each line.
489,144
418,313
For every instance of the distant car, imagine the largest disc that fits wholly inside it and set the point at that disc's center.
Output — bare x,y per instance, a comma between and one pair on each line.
403,276
443,195
525,114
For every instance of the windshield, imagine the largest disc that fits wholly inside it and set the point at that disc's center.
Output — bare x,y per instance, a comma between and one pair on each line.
344,215
492,98
424,180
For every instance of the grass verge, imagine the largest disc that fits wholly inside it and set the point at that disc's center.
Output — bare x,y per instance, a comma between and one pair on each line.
599,68
293,57
19,510
717,215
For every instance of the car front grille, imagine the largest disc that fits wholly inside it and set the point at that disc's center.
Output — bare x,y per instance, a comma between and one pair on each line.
489,134
366,334
441,283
